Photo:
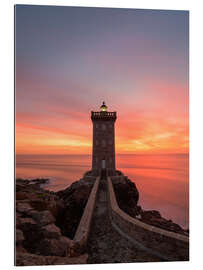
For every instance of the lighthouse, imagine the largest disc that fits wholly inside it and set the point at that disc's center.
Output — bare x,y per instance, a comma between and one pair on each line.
103,146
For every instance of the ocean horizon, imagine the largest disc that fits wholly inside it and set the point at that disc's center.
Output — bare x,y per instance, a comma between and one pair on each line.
162,179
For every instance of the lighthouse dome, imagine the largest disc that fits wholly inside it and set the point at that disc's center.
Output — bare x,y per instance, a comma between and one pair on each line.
103,107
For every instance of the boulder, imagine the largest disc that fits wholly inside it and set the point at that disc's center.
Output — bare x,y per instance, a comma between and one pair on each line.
54,205
127,195
42,217
23,208
67,241
26,224
51,231
40,214
75,198
154,218
19,249
21,184
147,215
25,195
54,247
19,237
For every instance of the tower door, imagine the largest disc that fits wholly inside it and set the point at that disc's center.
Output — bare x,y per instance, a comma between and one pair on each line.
103,164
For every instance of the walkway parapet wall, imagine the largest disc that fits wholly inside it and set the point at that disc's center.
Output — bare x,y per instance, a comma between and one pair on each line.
81,236
172,245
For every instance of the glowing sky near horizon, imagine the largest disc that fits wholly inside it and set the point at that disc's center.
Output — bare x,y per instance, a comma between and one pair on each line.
68,60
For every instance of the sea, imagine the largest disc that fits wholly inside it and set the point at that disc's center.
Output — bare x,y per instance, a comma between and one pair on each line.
162,180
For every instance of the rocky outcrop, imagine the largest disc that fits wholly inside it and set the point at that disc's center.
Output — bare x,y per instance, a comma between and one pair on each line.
75,198
57,246
46,221
154,218
127,196
42,218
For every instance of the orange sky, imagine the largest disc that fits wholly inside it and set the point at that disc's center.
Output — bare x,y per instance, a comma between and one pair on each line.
136,132
137,61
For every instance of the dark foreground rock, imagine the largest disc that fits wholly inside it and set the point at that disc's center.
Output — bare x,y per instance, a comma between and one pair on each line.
28,259
127,195
75,198
46,222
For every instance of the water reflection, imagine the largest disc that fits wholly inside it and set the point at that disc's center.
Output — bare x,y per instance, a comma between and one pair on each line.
162,180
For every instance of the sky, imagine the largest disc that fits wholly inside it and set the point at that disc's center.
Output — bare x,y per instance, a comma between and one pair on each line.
71,59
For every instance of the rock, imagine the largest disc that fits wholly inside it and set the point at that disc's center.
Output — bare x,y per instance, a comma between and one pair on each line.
54,247
32,232
187,231
78,190
18,215
39,181
119,173
23,208
147,215
25,195
42,217
39,214
51,231
19,237
75,198
127,195
19,249
27,259
26,182
20,181
26,224
54,205
67,241
154,218
21,184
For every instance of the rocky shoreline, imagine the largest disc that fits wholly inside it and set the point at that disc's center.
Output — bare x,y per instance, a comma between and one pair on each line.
46,221
127,196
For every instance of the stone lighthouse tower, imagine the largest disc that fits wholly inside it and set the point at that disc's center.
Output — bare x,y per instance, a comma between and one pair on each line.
103,151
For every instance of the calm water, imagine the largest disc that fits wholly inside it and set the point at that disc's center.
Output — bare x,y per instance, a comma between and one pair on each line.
162,180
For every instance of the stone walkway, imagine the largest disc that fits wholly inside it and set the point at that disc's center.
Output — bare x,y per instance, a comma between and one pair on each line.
105,244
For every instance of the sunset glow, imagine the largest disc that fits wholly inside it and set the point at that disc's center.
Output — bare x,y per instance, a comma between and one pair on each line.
68,60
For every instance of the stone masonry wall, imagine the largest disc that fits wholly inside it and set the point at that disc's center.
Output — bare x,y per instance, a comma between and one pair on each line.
81,235
103,144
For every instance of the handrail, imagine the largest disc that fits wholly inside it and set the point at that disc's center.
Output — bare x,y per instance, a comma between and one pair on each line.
81,235
164,244
123,215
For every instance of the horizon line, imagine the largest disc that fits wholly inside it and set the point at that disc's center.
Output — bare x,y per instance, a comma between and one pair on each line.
140,154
